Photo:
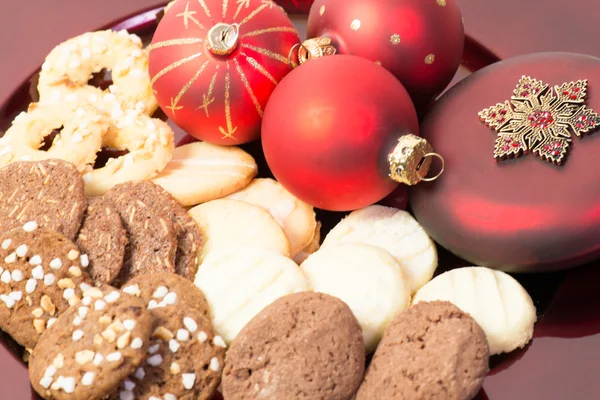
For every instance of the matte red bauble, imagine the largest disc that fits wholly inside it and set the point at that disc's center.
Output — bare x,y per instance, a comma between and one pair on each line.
214,64
419,41
331,133
522,189
296,6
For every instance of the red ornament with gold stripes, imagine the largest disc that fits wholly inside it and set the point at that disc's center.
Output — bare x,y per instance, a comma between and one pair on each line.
215,63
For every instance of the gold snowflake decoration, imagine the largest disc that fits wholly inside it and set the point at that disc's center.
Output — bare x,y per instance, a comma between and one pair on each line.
540,120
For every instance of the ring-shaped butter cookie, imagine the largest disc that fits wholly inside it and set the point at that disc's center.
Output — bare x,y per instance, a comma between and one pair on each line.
79,132
70,66
149,142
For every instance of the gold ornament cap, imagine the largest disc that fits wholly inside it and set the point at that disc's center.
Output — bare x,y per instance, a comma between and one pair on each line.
410,160
314,48
223,38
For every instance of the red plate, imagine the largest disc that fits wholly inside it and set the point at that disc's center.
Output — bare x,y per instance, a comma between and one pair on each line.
558,364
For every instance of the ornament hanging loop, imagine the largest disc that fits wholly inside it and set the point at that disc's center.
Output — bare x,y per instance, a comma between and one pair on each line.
410,160
223,38
424,178
311,49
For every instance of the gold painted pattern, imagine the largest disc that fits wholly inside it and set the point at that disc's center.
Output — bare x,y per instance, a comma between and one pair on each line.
241,4
225,3
429,59
441,3
395,39
248,88
205,8
259,67
254,14
173,107
174,42
267,53
269,3
171,67
269,30
187,86
207,98
229,133
187,14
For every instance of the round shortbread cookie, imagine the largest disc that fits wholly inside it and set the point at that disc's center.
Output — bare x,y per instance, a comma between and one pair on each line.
366,278
42,274
297,218
395,231
313,246
430,351
92,347
499,304
230,223
239,282
307,343
199,172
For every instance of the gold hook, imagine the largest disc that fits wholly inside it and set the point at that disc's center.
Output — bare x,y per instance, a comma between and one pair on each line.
433,178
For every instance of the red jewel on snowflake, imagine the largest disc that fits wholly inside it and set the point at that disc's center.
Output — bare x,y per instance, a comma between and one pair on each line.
541,119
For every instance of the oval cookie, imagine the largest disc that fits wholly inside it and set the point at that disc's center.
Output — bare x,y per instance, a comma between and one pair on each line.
103,238
366,278
225,222
42,273
199,172
395,231
430,351
499,304
307,343
48,192
295,217
239,282
92,347
184,359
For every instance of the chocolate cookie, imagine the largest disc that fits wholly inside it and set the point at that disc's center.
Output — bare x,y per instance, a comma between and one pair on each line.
152,235
41,274
163,289
184,359
304,345
92,347
103,238
430,351
48,192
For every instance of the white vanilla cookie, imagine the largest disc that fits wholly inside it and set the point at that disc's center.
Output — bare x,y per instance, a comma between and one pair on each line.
229,223
368,279
297,218
239,282
498,303
200,172
395,231
150,143
79,131
313,246
70,66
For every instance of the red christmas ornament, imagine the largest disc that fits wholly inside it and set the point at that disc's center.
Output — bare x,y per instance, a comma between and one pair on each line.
296,6
420,42
331,134
214,64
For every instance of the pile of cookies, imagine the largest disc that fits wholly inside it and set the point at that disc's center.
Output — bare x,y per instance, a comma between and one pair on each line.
129,280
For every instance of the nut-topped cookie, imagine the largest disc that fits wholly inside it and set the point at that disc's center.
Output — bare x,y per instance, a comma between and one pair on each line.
145,206
92,347
41,274
184,360
163,290
49,192
103,238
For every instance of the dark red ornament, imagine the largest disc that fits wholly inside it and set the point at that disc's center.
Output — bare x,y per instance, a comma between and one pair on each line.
296,6
214,64
328,130
420,42
497,205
